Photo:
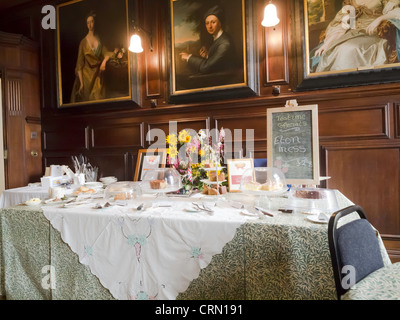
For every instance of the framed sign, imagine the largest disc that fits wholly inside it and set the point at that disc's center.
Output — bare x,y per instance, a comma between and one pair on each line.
293,143
236,168
211,48
93,64
349,43
149,159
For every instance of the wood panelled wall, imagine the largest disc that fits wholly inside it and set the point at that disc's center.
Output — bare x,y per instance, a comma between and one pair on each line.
359,127
19,60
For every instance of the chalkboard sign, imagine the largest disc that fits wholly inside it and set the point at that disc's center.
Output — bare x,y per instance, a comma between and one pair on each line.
293,144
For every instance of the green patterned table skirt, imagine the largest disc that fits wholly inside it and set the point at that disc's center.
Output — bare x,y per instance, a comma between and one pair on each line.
279,258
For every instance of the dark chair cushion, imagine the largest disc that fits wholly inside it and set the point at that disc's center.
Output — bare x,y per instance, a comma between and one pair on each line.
359,247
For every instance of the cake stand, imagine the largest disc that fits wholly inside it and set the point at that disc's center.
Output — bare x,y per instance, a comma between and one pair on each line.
212,183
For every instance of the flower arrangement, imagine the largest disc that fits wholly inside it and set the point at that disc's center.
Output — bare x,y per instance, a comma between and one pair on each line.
189,152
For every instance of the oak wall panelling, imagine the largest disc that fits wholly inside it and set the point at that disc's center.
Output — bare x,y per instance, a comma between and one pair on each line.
368,122
165,125
397,120
117,136
251,141
19,65
362,173
65,138
120,165
275,60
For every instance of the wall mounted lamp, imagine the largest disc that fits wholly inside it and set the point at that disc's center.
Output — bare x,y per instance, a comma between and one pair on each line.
136,41
270,15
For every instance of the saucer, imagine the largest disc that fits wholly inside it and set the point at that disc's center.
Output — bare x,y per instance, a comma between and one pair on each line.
315,219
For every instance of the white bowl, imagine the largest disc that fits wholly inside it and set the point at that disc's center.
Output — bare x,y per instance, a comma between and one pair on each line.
33,202
108,180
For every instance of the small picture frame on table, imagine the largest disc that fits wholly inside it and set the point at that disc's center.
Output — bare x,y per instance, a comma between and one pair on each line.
149,159
236,168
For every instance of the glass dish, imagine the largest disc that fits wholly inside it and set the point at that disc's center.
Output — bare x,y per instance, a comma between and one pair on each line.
161,180
108,180
263,181
313,200
122,190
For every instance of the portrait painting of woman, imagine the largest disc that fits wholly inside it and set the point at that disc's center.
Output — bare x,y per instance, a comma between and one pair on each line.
93,63
208,44
357,35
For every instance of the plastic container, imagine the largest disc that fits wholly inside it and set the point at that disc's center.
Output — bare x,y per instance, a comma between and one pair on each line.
122,190
261,181
313,200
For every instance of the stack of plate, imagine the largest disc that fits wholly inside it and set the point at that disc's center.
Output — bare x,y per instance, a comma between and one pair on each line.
108,180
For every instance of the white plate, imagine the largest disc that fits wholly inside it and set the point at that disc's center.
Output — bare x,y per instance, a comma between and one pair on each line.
265,192
315,219
31,203
108,180
94,185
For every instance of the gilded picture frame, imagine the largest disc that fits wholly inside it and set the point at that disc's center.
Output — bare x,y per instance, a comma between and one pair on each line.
236,168
210,62
93,61
149,159
347,43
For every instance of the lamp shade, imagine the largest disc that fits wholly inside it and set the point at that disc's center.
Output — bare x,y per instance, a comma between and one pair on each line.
270,16
136,44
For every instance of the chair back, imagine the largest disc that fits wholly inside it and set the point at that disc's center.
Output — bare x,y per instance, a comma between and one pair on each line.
354,244
260,162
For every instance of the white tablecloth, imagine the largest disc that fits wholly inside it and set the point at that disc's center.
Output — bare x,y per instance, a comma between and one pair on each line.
158,252
12,197
153,254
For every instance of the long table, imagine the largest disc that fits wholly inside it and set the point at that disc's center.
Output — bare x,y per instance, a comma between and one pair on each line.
280,257
12,197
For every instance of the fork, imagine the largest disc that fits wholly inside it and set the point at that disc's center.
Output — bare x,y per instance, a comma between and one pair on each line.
203,207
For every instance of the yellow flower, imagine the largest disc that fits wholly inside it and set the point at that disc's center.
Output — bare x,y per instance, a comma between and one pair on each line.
201,152
183,136
173,152
171,139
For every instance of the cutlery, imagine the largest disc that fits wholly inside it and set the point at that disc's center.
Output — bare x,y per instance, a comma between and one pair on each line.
99,206
202,207
236,204
72,204
323,217
143,206
265,212
246,212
